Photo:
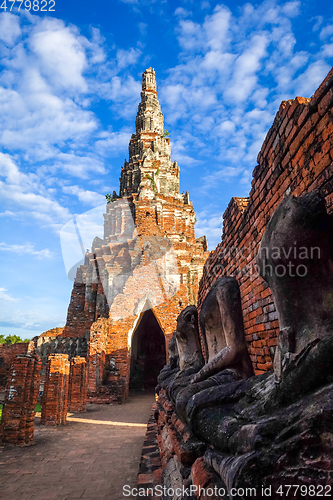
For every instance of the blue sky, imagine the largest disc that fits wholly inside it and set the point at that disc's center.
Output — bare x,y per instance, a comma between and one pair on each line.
69,88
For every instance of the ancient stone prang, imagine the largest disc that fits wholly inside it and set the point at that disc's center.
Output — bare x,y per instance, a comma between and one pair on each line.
144,271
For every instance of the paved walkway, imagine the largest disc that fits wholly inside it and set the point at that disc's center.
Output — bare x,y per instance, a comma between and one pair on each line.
92,457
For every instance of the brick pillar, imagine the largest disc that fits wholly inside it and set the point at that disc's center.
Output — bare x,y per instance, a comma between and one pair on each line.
77,394
96,354
18,414
55,396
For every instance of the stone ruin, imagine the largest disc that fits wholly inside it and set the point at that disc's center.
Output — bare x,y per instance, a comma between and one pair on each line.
130,289
257,415
220,423
245,401
65,389
136,280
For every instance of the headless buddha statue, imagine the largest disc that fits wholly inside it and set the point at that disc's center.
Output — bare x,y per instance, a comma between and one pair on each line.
221,322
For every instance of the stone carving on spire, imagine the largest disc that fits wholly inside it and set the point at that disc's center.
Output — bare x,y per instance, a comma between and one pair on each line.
149,170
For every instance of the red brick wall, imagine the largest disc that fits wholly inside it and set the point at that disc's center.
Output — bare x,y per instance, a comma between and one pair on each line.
18,415
77,392
55,396
296,157
7,354
96,354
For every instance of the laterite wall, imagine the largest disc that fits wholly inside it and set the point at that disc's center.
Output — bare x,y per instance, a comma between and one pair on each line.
296,157
8,353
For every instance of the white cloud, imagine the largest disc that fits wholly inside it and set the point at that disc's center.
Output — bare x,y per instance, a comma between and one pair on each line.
86,196
113,142
48,59
26,191
227,126
51,76
5,297
127,58
143,28
181,12
123,92
233,71
216,28
291,9
326,32
319,21
7,213
246,67
37,315
308,81
9,28
190,35
61,56
27,248
78,166
209,224
327,50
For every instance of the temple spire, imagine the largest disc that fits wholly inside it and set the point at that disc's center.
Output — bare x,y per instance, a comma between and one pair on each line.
149,170
149,80
149,117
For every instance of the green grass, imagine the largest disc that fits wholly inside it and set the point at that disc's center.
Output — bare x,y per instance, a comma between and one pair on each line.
38,408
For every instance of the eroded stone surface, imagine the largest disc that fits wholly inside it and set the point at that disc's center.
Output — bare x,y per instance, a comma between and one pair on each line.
18,414
188,341
266,431
222,329
296,260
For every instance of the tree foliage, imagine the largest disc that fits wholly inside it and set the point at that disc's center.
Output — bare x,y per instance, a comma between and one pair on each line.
12,339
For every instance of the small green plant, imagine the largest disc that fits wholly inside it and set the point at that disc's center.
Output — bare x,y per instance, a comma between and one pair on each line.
166,133
110,198
152,183
158,170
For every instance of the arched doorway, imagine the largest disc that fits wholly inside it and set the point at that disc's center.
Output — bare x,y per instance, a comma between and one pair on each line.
147,353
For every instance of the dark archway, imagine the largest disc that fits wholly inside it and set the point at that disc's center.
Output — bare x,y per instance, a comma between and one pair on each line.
147,353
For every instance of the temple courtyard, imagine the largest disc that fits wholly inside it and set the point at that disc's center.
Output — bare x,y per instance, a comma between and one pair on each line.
91,457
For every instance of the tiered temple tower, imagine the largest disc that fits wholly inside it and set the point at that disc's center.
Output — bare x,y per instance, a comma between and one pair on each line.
146,269
149,149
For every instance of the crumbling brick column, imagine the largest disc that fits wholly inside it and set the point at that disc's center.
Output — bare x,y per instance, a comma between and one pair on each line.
77,395
96,354
18,414
55,396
